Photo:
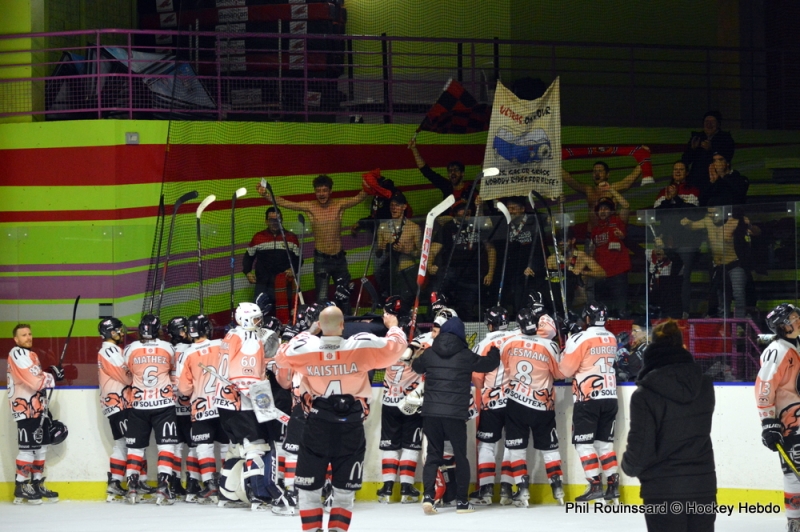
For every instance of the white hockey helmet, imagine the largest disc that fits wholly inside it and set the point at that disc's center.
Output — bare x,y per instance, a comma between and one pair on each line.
248,316
443,315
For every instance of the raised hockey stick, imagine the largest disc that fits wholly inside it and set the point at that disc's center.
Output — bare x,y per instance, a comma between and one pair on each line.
211,198
238,194
562,281
788,460
297,294
502,208
266,405
558,265
160,231
296,275
69,334
364,279
180,201
489,172
430,220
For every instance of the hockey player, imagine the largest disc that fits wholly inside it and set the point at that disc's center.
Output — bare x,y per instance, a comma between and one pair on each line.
401,434
531,363
335,374
179,338
778,401
27,395
150,360
115,381
589,358
492,411
200,387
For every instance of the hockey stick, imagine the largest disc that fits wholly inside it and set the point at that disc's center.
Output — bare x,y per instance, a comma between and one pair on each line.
558,265
788,460
180,201
364,279
269,407
297,294
205,203
69,334
238,194
430,220
559,259
265,184
502,208
489,172
159,221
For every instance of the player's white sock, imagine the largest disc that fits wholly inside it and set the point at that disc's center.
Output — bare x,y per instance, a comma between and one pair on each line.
342,510
519,464
552,462
24,465
135,463
119,455
486,459
167,458
206,460
390,463
791,495
607,456
408,465
589,461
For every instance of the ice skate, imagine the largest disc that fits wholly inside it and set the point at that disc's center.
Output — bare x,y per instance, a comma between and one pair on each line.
522,497
114,491
177,488
793,525
193,489
24,492
482,496
408,493
164,494
557,486
132,496
612,489
286,504
428,505
594,491
385,493
505,494
209,493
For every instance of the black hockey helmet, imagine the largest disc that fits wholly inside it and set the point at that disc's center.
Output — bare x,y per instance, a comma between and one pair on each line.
265,303
272,323
109,326
538,310
438,302
175,327
595,314
149,327
527,321
58,432
395,305
497,317
199,325
778,318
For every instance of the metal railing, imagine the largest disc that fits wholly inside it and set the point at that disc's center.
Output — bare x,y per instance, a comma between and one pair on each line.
304,77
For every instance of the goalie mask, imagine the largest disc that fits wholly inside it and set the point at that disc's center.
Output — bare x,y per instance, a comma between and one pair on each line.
149,327
248,316
443,315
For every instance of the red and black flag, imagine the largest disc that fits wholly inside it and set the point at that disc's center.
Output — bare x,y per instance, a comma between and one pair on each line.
456,111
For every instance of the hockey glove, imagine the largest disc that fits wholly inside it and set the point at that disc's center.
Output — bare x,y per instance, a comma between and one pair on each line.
57,372
771,433
290,332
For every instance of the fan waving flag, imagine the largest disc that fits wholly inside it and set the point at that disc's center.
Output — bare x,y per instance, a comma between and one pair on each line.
456,111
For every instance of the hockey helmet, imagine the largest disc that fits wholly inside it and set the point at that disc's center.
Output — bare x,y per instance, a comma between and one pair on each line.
149,327
438,302
443,315
778,318
109,326
57,431
527,321
538,310
595,314
199,325
497,317
265,303
272,323
395,305
175,327
248,316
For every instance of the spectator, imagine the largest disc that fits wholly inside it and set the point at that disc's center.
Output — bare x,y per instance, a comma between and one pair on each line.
472,265
726,186
326,226
630,352
612,255
266,256
454,183
602,187
701,148
399,242
669,442
578,266
664,281
672,204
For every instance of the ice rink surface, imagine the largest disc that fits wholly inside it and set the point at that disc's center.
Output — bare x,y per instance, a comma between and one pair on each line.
69,516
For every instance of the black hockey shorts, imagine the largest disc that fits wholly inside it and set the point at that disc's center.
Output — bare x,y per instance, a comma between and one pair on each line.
522,421
594,420
160,420
342,445
490,424
242,424
29,437
185,430
294,430
208,430
399,431
119,423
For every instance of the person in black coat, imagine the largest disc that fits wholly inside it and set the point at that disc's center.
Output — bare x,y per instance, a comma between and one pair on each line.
669,442
448,366
701,148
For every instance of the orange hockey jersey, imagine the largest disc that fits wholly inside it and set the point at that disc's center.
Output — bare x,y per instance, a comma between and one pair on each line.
531,364
589,356
200,387
242,362
114,378
776,385
151,363
490,385
26,384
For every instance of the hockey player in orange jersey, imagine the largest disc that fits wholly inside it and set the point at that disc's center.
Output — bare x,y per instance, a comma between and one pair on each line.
778,401
115,381
27,388
152,408
334,372
589,358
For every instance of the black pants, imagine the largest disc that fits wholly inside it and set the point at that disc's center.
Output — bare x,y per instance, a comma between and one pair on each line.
327,267
682,521
438,430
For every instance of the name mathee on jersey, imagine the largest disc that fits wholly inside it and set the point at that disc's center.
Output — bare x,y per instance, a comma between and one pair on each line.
150,359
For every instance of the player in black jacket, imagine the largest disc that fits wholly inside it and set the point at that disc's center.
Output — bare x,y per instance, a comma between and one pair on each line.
448,366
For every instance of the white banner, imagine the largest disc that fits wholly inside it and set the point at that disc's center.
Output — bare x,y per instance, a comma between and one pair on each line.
524,142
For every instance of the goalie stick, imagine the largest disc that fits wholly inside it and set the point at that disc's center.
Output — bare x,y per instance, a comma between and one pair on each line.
502,208
270,409
180,201
238,194
423,258
296,275
211,198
